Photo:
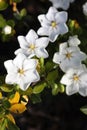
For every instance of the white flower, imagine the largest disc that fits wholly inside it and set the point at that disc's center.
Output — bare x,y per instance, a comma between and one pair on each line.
7,30
31,45
53,23
21,71
75,81
64,4
84,7
73,40
69,56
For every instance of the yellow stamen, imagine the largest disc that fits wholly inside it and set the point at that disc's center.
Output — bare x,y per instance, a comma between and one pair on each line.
32,46
21,71
53,24
68,55
76,77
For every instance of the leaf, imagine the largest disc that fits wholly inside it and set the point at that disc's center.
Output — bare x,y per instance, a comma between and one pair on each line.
6,88
3,4
15,99
52,76
6,104
3,124
49,66
18,108
39,88
2,21
11,118
84,109
11,23
11,125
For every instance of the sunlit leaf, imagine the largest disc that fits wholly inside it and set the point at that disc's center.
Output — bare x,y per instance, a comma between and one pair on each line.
84,109
15,99
11,118
6,88
18,108
39,88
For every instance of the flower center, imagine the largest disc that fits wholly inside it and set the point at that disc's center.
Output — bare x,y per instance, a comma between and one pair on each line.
68,55
76,77
53,24
32,46
21,71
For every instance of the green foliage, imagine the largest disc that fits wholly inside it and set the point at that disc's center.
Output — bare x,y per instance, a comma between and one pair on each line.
39,88
3,4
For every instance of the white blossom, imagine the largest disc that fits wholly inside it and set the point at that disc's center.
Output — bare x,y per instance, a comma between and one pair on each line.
7,30
75,81
21,71
69,55
53,23
64,4
31,45
84,7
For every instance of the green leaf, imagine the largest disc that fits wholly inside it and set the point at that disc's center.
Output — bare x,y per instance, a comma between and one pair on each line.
11,23
2,21
23,12
11,125
6,104
84,109
3,4
39,88
6,88
52,76
49,66
3,124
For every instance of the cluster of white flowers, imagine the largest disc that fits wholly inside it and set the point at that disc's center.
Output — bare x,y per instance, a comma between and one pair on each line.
69,59
64,4
22,70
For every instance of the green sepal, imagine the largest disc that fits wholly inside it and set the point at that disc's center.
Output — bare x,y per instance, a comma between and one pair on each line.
39,88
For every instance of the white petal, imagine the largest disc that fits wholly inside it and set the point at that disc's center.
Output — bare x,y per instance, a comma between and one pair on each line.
61,17
29,64
66,79
74,41
18,61
72,89
42,42
57,58
22,41
63,28
11,68
41,53
32,76
53,36
11,78
83,89
43,20
63,47
51,13
43,31
31,36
